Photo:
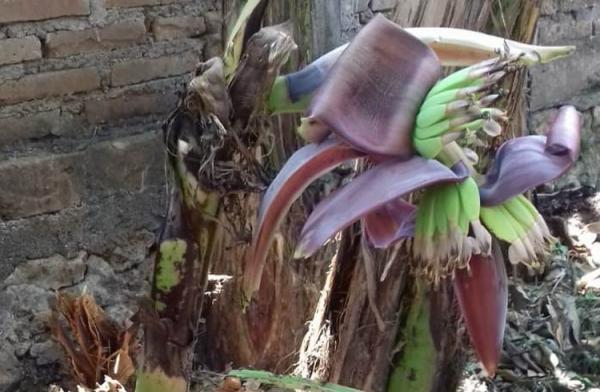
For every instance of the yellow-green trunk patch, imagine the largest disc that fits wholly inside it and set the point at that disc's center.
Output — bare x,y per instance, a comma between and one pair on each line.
171,257
157,381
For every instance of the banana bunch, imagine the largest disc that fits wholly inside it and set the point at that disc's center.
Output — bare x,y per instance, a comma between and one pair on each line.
518,222
448,230
459,103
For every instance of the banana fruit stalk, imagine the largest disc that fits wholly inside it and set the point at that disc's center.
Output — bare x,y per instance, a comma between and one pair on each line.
460,103
448,230
459,47
517,222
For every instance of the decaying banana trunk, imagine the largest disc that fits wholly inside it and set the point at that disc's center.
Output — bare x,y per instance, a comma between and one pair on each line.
190,235
213,160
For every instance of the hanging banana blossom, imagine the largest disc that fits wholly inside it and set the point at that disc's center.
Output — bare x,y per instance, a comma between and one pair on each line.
382,99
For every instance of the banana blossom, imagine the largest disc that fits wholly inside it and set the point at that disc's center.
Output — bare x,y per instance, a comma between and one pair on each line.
382,99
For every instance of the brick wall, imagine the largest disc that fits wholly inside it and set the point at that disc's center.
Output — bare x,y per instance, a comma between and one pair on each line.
84,86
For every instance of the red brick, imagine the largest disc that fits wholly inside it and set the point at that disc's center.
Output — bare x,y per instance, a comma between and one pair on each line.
136,3
49,84
130,105
25,10
117,35
178,27
16,50
32,186
142,70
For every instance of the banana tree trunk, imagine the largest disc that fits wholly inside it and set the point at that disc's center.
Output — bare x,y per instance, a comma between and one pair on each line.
184,252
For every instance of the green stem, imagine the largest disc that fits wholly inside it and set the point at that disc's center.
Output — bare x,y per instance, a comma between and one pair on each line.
417,367
279,101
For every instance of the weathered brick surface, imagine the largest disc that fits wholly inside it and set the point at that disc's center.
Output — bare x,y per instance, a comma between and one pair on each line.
32,186
31,126
136,71
178,27
213,46
130,164
554,7
573,80
566,29
111,109
84,87
567,79
25,10
116,35
383,5
596,117
137,3
49,84
15,50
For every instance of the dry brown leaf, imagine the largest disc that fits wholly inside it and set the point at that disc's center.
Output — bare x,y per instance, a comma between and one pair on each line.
122,366
95,345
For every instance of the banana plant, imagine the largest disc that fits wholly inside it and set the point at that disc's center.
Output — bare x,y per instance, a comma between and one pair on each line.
382,100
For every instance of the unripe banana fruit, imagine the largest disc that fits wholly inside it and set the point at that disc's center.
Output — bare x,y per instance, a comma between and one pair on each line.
458,103
447,229
517,222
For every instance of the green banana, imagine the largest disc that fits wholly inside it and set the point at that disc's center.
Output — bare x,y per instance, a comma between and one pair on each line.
428,148
441,219
453,205
456,216
520,212
477,86
448,96
509,219
441,241
432,114
461,78
457,103
517,222
481,238
495,220
425,226
528,205
455,124
431,131
463,221
469,198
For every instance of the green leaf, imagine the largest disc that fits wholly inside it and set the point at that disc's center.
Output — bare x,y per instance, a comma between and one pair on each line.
289,382
246,24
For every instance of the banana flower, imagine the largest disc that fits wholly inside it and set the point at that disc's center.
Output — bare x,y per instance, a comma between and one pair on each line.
382,99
